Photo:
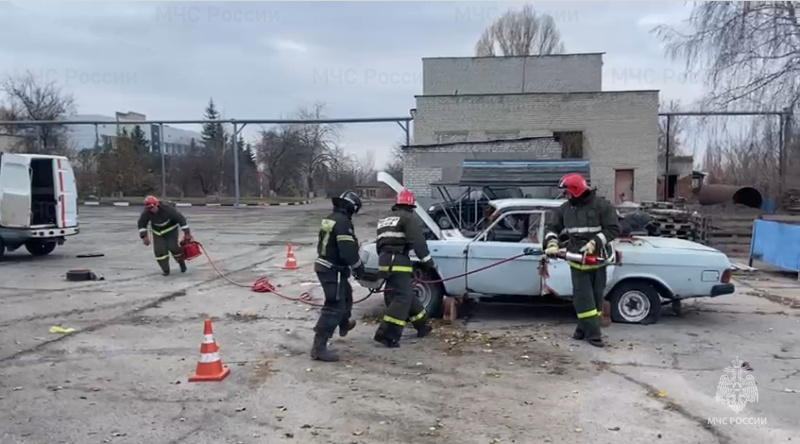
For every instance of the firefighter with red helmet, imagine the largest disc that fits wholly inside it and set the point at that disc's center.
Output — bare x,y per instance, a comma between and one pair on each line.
398,234
164,221
590,223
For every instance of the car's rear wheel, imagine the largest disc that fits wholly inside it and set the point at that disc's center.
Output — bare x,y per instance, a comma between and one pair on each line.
2,248
430,294
635,302
40,247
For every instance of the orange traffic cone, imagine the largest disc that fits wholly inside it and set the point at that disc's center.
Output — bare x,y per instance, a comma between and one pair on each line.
209,367
291,261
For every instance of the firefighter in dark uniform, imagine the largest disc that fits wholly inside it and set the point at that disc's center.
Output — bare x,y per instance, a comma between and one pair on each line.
337,254
165,222
590,223
397,235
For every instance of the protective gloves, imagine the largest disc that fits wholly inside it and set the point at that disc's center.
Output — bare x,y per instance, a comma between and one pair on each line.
588,248
187,237
552,248
146,240
358,272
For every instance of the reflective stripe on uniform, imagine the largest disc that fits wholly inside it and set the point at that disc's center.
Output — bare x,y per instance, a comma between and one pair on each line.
417,317
345,238
185,227
142,230
587,314
576,230
323,262
426,258
550,234
602,238
392,234
394,321
161,258
163,232
400,268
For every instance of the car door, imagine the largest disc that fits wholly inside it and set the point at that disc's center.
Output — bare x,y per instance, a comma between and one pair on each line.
519,277
15,191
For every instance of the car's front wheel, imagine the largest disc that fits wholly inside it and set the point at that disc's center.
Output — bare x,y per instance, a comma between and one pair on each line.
635,302
430,294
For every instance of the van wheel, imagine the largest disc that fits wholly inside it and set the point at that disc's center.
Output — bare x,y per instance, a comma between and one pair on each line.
39,247
431,295
635,302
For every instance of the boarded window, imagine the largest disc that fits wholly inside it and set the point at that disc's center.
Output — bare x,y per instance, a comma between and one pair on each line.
571,144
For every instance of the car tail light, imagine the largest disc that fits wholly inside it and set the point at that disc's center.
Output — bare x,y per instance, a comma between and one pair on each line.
726,276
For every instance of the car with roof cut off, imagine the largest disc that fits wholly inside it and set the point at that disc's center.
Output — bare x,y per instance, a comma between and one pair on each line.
648,272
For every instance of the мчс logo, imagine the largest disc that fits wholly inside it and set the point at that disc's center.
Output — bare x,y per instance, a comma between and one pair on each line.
737,386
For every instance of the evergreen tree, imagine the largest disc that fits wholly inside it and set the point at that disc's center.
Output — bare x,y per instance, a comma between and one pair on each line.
192,146
212,131
139,141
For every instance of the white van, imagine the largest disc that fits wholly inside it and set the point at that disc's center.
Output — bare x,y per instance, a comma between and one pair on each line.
38,202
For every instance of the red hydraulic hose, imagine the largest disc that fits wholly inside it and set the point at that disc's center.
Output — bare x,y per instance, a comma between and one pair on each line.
263,285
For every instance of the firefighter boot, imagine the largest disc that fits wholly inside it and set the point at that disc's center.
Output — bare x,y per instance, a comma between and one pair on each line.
386,336
320,351
183,266
423,330
164,267
351,324
579,334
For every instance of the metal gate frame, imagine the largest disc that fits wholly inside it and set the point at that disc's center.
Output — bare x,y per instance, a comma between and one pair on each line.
403,122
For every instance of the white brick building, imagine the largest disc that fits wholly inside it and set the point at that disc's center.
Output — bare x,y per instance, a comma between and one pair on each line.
490,98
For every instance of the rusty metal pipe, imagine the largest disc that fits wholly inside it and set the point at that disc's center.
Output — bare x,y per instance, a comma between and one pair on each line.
725,194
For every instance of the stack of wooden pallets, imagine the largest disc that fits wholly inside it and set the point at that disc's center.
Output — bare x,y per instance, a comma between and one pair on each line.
676,222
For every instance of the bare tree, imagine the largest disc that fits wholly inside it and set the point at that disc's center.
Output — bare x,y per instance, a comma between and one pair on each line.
278,151
675,130
520,32
750,51
318,141
31,100
395,164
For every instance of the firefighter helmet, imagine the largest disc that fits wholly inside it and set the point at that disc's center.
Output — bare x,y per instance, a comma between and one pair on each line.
349,201
573,184
406,197
151,201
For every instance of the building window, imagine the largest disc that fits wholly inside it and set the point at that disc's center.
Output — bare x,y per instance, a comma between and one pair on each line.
571,144
451,137
502,135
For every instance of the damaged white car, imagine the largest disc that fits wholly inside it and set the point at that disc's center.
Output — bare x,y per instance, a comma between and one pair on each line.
649,271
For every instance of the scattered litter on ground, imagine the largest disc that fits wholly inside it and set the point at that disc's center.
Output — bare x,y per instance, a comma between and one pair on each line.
61,330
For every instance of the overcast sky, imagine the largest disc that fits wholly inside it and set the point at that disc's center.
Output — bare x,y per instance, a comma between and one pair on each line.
265,60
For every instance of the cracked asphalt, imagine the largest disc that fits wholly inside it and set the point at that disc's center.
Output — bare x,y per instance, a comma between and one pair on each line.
508,374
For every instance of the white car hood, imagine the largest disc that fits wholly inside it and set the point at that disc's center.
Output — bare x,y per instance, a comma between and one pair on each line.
387,178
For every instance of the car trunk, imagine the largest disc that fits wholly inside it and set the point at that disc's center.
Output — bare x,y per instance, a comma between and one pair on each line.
43,193
679,244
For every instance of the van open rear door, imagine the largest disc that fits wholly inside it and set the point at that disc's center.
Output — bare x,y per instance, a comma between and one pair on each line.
15,191
66,193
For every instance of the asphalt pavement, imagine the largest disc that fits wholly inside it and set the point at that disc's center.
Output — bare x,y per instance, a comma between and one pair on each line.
508,374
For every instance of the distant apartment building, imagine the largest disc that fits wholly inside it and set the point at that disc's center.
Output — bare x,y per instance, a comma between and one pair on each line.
177,141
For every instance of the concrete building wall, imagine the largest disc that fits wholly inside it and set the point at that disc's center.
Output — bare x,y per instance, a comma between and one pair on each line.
423,165
620,129
507,75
